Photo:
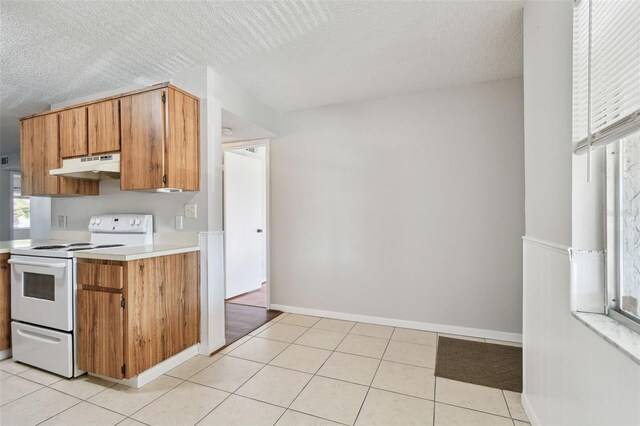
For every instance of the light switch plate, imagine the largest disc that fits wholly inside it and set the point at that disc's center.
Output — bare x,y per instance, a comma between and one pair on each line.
191,211
179,222
62,221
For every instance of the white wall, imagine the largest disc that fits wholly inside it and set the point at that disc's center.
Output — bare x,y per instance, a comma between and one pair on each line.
6,215
571,375
408,208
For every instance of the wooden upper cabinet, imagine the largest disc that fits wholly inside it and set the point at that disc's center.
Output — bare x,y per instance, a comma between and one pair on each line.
73,132
182,151
160,138
142,119
103,121
39,153
156,130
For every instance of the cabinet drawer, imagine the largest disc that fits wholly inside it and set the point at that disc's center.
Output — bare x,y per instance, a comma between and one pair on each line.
100,275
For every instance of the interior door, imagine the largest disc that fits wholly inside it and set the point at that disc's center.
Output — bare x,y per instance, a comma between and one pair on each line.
242,223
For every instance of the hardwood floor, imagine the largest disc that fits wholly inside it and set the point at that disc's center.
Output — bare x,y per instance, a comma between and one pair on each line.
241,320
253,298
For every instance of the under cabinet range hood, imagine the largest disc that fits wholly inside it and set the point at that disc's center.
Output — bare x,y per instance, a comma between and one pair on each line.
98,167
94,168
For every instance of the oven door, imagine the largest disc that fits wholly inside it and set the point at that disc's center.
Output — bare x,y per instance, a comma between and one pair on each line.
41,291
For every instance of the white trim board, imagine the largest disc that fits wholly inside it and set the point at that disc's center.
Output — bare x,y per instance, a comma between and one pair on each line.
527,409
438,328
561,248
156,371
5,354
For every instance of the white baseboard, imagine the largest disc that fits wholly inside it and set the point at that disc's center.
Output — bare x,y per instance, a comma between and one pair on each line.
5,353
439,328
207,350
155,371
533,419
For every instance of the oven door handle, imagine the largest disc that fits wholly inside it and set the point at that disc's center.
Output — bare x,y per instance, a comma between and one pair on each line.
44,265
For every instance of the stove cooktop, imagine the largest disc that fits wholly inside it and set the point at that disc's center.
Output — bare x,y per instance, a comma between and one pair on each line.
75,246
106,231
54,249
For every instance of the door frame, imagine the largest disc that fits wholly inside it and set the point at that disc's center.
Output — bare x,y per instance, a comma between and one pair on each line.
266,143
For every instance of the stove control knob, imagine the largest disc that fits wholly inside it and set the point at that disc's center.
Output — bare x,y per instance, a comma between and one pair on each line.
131,222
98,220
137,222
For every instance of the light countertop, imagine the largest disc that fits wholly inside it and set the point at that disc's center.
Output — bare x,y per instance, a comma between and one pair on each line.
6,246
136,252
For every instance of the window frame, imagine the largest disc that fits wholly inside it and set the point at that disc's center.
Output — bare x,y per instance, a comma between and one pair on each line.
613,237
13,197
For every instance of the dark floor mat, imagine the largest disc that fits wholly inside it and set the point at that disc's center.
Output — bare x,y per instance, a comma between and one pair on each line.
486,364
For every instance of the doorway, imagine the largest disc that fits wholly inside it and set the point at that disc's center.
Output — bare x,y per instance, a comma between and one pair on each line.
245,225
246,234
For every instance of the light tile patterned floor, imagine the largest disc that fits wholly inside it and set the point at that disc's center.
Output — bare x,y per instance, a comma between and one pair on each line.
295,370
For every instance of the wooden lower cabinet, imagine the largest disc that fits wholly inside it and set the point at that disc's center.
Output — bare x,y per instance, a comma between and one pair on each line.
5,302
100,319
155,315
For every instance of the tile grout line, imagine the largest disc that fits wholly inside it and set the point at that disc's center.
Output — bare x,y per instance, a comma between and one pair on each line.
314,374
66,409
211,411
506,403
374,376
435,389
473,409
27,394
150,402
238,388
316,416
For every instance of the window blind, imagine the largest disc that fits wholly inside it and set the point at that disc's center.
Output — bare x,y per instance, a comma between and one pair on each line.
606,71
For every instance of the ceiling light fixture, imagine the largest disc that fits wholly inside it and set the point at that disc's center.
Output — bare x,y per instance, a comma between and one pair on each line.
227,131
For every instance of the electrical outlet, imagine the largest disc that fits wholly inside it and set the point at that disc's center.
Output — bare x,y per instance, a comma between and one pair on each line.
191,211
62,221
179,222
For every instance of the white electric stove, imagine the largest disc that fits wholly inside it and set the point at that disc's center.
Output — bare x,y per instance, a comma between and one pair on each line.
43,290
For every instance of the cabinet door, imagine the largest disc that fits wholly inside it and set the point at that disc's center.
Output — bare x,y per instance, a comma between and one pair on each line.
5,302
39,153
163,308
73,132
99,325
182,159
104,127
142,120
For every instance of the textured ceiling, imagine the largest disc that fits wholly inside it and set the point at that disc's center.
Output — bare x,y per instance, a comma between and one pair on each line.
290,54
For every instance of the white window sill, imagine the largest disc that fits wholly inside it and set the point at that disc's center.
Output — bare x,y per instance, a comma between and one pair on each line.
623,338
